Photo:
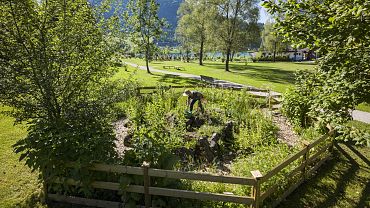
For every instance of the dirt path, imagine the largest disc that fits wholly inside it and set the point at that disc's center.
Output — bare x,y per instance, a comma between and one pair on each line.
285,133
361,116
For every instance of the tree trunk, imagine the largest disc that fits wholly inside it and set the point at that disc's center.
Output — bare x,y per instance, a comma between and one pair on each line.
147,60
232,56
295,55
201,52
187,56
274,51
228,51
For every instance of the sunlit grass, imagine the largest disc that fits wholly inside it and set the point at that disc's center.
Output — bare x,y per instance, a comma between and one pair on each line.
153,79
18,186
277,76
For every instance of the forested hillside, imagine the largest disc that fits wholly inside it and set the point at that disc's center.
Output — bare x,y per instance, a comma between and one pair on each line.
168,10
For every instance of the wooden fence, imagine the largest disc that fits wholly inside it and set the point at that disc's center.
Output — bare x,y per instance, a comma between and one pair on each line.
321,149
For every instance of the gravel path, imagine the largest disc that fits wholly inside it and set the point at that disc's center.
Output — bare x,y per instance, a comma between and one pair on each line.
356,114
361,116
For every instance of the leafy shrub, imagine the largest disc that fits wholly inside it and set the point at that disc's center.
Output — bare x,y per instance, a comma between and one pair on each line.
271,58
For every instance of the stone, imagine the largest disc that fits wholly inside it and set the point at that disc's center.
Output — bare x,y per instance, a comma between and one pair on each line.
214,139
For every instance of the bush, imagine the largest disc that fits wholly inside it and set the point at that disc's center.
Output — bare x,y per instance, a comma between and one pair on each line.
271,58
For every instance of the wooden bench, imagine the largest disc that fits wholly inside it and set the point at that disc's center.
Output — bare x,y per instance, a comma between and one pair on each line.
168,67
208,79
179,68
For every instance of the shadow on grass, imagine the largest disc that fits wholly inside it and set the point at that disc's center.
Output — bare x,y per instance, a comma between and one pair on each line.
266,73
341,182
33,201
177,80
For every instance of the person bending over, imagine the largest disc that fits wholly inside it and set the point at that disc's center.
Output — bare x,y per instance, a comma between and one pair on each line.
194,96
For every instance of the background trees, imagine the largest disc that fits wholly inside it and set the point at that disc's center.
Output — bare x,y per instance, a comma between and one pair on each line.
270,40
193,27
144,25
231,15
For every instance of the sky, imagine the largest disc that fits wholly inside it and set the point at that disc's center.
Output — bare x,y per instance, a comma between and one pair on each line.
263,15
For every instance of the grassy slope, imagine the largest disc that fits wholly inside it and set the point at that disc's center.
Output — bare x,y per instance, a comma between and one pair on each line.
276,76
341,182
360,125
18,186
153,79
364,107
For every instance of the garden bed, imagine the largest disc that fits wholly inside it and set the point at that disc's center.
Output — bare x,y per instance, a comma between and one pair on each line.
234,136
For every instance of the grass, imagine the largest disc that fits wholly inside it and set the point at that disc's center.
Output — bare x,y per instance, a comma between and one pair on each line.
341,182
360,125
18,186
364,107
146,79
277,76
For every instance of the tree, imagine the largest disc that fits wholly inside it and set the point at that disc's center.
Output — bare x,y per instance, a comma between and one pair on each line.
338,30
193,25
270,40
144,26
247,35
54,63
231,14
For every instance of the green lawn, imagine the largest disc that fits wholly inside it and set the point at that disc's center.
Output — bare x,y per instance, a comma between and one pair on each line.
360,125
18,186
146,79
276,76
341,182
364,107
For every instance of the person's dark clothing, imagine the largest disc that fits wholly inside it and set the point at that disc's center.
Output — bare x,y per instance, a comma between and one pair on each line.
194,97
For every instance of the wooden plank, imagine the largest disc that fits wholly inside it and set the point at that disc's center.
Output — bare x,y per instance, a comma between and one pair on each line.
282,165
146,184
200,177
199,195
269,191
106,185
256,174
318,165
318,153
295,170
318,141
84,201
117,169
287,193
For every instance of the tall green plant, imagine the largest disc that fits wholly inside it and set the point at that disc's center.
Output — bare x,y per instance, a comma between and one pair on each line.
54,61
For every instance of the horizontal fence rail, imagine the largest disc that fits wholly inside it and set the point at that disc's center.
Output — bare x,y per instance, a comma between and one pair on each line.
307,165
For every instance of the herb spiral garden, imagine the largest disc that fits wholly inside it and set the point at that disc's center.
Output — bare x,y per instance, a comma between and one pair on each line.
234,135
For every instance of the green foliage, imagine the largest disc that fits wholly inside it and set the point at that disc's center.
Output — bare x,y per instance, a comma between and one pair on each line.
342,80
144,26
353,134
235,23
297,101
271,58
159,133
193,28
55,64
271,42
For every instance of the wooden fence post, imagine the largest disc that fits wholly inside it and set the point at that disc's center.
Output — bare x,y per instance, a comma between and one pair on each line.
331,135
256,188
306,156
45,189
145,167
